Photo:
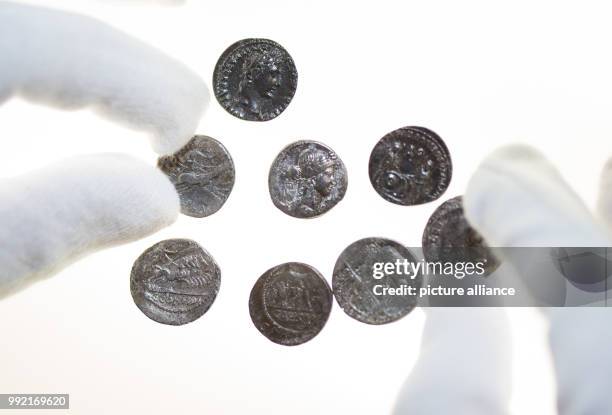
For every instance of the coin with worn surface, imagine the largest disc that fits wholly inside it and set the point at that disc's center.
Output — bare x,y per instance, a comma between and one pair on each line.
175,281
255,79
362,294
448,237
202,173
290,303
410,166
307,179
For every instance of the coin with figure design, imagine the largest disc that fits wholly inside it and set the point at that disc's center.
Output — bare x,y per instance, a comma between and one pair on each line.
175,281
202,173
307,179
255,79
290,303
362,294
410,166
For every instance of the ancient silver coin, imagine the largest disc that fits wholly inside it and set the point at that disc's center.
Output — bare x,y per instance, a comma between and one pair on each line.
290,303
448,237
255,79
307,179
410,166
175,281
354,281
202,173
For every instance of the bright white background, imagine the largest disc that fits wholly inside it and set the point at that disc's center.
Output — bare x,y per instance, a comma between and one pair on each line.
479,73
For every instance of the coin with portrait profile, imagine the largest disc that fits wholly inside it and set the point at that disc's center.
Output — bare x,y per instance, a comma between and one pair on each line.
410,166
175,281
255,79
202,172
290,303
307,179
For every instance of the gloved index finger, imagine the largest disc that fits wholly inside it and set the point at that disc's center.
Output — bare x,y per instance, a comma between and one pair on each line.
72,61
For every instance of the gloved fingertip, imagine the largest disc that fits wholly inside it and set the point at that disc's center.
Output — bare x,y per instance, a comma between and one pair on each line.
517,197
72,61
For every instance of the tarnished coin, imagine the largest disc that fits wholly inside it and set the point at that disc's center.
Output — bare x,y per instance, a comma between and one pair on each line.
255,79
307,179
448,237
175,281
362,293
410,166
290,303
202,173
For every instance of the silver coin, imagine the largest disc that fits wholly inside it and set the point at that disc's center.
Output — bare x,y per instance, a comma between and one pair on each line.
410,166
307,179
354,281
175,281
290,303
255,79
202,173
448,237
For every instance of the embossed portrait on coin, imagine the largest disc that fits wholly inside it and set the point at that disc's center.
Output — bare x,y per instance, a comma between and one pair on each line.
260,80
314,176
410,166
255,79
307,179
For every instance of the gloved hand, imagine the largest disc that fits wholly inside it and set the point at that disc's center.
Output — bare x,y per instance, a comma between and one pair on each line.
445,379
50,217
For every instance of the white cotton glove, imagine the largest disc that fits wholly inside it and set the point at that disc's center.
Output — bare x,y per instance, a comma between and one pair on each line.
464,363
72,61
550,215
445,378
50,217
464,366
